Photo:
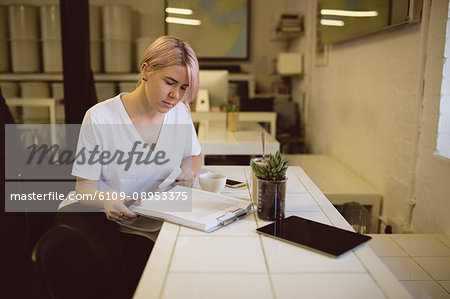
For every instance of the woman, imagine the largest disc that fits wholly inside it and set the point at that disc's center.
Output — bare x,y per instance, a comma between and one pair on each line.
153,120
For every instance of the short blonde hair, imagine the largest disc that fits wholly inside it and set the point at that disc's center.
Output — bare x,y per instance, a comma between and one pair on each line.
167,51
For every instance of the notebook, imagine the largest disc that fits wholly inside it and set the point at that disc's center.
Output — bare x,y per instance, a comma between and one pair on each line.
210,211
320,237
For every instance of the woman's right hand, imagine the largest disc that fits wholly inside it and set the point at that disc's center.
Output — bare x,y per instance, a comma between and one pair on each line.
117,211
110,201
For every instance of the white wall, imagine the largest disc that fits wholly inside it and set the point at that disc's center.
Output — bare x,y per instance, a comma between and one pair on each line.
433,173
301,85
375,107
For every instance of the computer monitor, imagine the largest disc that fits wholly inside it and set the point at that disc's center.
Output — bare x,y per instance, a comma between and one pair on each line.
216,82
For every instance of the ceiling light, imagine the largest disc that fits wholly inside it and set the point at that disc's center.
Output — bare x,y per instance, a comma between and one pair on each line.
180,11
183,21
326,22
348,13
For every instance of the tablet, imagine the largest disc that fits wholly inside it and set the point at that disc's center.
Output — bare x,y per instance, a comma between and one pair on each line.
324,238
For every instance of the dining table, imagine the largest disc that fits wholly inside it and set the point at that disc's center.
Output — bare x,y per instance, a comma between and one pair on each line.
236,261
216,139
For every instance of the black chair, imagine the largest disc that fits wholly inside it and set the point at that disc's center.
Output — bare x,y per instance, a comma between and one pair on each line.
68,267
357,215
15,230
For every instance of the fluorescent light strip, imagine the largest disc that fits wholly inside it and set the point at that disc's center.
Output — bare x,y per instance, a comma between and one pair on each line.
180,11
183,21
348,13
326,22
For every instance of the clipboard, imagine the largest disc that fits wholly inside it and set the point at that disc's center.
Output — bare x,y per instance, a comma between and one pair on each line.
210,211
241,213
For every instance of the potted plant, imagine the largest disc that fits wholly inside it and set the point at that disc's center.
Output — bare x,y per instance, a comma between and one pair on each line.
271,190
232,115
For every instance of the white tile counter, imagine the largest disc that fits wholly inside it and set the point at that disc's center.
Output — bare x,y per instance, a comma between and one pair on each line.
236,262
421,262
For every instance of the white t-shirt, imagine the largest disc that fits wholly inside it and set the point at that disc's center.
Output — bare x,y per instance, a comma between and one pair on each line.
117,156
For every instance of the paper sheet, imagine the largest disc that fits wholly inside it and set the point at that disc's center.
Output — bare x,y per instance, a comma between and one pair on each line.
170,179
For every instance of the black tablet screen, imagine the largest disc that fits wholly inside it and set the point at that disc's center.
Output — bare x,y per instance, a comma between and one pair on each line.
325,238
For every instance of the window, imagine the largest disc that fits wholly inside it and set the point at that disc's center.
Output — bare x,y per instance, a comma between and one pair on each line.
443,138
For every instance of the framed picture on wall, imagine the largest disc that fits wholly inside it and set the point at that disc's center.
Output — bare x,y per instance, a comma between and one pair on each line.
216,29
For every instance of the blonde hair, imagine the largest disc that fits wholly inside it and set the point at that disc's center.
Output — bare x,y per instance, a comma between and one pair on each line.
167,51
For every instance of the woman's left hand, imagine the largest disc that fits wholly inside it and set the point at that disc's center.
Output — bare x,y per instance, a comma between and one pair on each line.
186,177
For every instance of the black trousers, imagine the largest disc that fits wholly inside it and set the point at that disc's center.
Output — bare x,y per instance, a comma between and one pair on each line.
122,257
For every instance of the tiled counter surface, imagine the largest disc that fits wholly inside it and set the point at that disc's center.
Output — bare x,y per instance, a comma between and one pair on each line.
236,262
420,262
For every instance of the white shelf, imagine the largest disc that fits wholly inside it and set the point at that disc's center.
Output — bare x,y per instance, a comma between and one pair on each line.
244,116
97,77
103,77
49,103
116,77
30,77
123,77
59,77
287,26
286,35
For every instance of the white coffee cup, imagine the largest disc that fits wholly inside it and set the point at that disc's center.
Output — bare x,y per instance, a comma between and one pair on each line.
212,182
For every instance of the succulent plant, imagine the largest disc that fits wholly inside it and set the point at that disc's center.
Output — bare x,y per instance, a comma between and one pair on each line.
232,107
274,169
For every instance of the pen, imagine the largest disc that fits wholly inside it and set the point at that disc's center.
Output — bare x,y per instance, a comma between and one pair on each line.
130,202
